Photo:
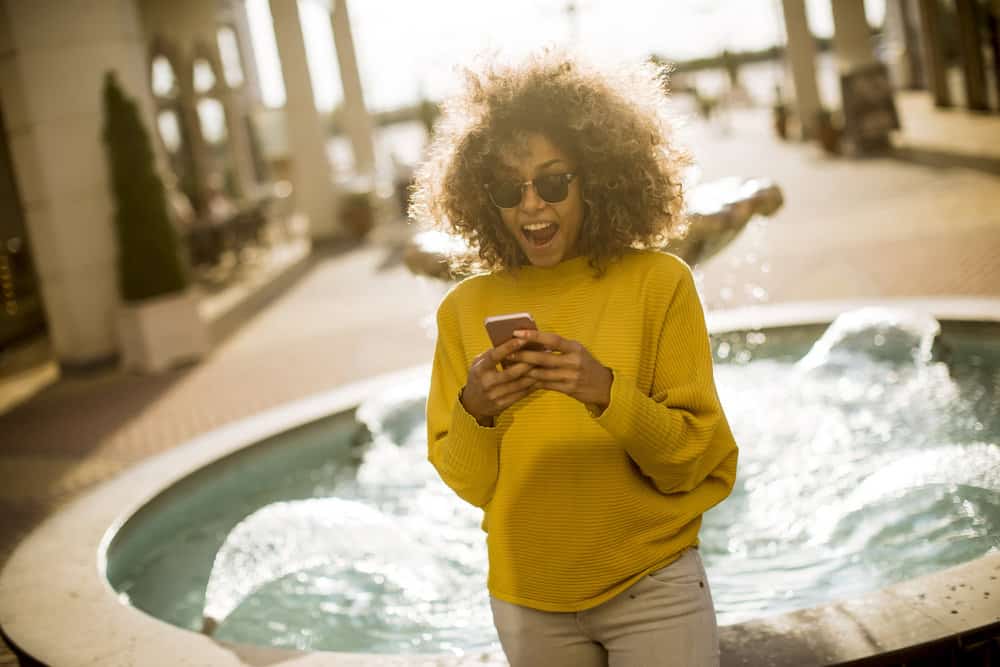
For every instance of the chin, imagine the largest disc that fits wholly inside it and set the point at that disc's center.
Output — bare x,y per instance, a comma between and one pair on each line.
543,260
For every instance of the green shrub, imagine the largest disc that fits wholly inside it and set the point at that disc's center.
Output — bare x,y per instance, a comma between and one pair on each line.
149,259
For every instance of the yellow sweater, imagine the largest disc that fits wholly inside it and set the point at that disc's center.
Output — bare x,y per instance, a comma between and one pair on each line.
578,507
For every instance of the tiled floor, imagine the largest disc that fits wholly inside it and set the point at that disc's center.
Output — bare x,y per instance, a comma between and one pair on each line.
850,228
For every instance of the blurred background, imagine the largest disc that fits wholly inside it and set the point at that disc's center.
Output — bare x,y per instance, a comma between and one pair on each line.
276,140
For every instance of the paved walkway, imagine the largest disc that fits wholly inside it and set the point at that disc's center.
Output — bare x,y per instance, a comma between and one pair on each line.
880,227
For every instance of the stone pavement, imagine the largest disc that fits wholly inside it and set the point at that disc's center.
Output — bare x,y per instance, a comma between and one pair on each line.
920,222
850,228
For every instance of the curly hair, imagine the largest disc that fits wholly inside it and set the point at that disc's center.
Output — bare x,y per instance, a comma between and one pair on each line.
612,122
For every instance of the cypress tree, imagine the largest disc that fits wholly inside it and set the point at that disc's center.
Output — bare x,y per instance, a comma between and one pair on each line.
149,260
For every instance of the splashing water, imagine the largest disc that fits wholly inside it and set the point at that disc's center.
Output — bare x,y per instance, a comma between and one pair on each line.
894,336
293,537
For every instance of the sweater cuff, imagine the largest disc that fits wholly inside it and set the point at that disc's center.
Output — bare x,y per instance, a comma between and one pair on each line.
619,417
470,446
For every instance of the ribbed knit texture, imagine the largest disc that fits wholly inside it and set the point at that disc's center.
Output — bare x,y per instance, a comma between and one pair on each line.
578,507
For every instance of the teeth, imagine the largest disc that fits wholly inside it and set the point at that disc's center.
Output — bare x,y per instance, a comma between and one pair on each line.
535,226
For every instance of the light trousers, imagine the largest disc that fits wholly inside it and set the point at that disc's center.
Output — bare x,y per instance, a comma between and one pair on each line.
666,619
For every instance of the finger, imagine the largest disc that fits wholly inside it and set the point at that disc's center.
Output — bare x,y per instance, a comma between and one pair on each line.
552,375
514,397
550,340
498,353
555,385
544,359
513,372
500,391
482,364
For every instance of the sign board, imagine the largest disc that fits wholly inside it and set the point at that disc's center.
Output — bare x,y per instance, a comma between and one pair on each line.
869,107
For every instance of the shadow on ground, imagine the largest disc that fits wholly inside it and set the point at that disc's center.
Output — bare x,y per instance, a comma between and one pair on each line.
945,160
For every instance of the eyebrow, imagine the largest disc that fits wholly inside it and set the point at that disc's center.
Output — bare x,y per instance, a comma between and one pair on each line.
512,172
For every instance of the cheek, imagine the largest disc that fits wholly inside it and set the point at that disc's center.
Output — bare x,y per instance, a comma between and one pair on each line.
508,217
574,214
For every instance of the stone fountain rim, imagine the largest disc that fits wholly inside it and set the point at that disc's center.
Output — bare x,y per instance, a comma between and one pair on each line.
57,606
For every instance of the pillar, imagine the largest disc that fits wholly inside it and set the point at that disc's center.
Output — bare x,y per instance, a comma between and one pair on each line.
52,66
235,15
970,46
356,118
934,63
195,144
801,55
238,136
993,27
852,44
307,137
902,44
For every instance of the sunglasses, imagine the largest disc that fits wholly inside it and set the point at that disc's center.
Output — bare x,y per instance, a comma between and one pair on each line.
552,188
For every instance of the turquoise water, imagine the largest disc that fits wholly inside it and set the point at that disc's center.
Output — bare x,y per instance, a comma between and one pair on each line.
868,456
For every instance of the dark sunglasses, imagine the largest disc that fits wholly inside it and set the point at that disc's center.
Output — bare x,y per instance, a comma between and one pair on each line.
553,188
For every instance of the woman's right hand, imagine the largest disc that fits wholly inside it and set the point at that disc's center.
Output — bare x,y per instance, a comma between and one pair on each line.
488,392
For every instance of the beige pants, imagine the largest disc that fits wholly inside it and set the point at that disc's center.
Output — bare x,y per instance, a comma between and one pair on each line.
666,619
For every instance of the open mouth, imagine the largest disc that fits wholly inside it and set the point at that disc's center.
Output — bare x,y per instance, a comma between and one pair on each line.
540,233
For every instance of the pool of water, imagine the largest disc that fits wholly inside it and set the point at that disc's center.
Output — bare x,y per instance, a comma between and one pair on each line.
870,453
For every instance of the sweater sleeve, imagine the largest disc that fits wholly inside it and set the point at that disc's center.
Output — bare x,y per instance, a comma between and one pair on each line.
677,434
465,454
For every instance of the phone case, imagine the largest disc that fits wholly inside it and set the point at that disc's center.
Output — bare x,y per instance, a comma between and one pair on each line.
501,328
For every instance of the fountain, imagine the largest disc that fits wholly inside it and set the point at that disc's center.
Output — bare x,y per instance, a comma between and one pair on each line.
864,522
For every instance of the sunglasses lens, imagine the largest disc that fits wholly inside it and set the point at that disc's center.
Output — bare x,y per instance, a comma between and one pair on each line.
552,189
506,194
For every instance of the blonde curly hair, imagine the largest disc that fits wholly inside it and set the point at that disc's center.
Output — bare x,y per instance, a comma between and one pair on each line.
613,122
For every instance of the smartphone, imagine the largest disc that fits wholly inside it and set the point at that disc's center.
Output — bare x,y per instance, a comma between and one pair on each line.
501,329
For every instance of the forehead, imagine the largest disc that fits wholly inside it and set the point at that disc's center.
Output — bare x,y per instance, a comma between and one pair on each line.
528,152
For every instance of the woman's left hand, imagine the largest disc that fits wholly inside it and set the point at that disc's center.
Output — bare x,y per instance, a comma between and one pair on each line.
567,367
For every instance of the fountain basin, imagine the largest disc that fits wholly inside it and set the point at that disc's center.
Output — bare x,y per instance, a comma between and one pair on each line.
56,604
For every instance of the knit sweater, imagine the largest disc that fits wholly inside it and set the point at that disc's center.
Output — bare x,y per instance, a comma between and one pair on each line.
578,506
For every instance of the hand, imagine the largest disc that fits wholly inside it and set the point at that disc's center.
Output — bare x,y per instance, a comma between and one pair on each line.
568,367
488,392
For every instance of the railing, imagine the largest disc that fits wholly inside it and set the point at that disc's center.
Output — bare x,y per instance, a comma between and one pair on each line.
222,239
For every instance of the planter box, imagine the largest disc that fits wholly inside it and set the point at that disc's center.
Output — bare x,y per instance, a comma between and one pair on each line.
159,333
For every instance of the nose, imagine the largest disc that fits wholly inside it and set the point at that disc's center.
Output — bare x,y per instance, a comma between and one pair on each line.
530,201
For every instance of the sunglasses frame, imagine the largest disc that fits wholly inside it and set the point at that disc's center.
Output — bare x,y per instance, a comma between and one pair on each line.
567,178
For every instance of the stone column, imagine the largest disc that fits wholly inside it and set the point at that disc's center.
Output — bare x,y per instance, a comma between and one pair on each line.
851,35
306,135
971,47
53,60
236,15
195,144
801,55
356,118
238,137
993,27
934,65
902,43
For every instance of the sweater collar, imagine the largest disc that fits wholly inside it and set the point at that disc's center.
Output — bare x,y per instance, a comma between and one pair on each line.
570,269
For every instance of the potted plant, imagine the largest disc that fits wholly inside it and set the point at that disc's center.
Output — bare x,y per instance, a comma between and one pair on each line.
158,322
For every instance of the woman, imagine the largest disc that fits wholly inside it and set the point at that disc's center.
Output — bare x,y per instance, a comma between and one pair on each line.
595,458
